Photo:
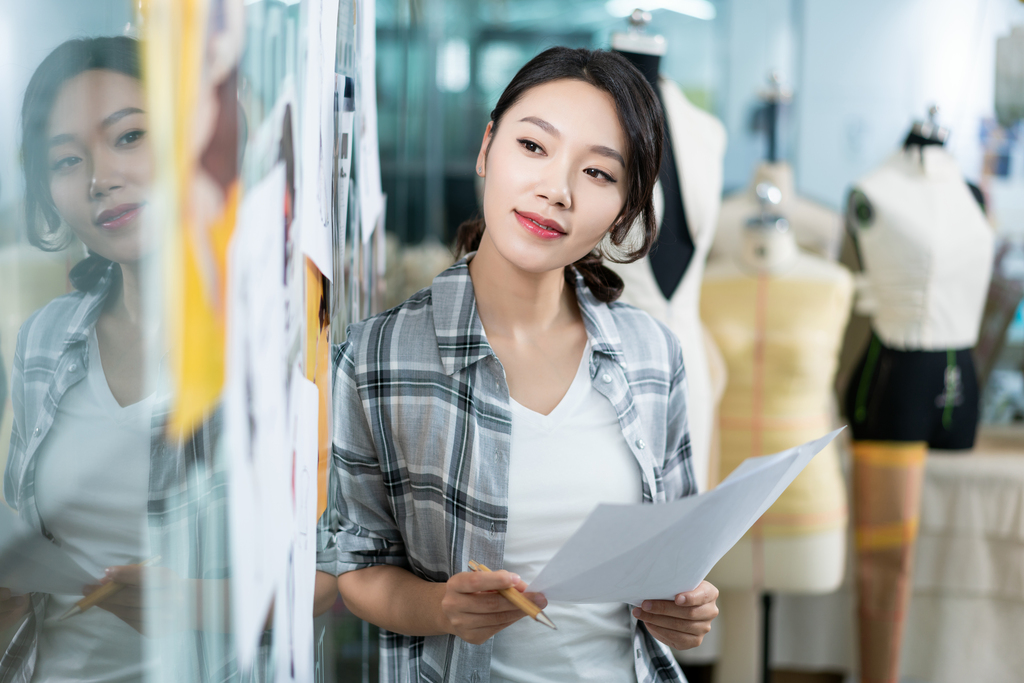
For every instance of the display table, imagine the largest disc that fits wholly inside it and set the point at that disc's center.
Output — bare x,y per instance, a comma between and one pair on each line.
966,616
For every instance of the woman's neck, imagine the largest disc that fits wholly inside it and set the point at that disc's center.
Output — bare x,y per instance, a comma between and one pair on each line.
126,304
513,302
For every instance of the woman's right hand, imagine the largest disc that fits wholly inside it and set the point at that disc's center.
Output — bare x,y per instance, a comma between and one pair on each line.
473,608
12,608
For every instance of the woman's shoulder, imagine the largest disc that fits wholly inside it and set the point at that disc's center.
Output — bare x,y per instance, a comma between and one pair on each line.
399,333
48,327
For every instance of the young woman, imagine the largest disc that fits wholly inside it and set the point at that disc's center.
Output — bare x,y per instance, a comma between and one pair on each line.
485,417
78,468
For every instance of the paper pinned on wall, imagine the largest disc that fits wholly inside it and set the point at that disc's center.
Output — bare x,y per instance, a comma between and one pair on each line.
371,193
293,602
29,563
632,553
256,428
345,102
317,132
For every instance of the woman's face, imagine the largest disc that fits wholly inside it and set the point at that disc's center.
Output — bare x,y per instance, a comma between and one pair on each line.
101,163
555,175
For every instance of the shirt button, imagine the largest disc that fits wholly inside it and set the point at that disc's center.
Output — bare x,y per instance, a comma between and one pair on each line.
74,366
492,527
606,378
640,444
638,652
36,432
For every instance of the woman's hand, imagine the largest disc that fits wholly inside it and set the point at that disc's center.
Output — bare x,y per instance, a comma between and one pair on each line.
128,603
12,608
682,623
473,608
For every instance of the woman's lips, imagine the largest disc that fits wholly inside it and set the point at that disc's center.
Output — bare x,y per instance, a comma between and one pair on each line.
534,226
119,216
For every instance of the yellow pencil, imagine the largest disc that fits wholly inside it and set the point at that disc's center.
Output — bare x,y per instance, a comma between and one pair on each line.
101,593
517,599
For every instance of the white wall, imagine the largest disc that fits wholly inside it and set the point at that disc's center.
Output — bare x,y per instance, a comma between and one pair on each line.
862,73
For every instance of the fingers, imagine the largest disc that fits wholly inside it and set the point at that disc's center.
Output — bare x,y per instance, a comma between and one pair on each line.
537,599
691,626
701,595
133,616
680,641
476,582
705,612
126,574
13,604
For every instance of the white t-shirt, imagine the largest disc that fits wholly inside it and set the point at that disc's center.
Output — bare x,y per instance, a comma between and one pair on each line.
92,483
562,465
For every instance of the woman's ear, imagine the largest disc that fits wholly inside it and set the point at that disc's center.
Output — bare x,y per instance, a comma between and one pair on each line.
481,158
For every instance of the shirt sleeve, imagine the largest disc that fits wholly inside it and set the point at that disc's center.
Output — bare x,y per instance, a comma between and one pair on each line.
358,528
677,472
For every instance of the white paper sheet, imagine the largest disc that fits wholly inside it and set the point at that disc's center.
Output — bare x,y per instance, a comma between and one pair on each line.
317,159
371,199
632,553
256,428
31,564
293,602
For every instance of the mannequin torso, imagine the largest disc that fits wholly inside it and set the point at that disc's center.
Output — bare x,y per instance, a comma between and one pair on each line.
778,316
926,250
817,229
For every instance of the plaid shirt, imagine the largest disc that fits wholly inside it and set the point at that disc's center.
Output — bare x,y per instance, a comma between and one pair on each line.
421,451
187,511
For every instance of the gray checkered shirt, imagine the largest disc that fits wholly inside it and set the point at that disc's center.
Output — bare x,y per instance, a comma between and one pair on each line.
187,506
422,436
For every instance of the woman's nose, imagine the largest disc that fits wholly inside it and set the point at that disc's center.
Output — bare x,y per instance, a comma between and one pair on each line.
556,190
105,176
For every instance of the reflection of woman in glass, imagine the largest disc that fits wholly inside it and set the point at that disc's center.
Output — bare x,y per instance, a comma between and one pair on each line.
484,418
79,464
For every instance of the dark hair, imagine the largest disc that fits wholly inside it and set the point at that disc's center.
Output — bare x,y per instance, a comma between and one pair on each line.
641,119
69,59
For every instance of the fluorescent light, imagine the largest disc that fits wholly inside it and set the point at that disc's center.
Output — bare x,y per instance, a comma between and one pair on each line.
453,66
699,9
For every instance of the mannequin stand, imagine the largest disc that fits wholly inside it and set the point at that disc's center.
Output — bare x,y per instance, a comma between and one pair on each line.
766,637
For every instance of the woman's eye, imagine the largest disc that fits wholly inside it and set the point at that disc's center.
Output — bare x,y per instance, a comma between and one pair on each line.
531,146
130,137
65,163
599,175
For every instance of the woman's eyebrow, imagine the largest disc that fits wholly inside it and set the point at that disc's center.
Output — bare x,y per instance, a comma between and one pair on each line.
61,139
120,114
597,149
541,123
608,152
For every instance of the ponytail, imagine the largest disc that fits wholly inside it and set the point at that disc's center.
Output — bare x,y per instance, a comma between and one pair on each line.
88,272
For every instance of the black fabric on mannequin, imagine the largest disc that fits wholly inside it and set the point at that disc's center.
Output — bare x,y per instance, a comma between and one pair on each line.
672,253
928,396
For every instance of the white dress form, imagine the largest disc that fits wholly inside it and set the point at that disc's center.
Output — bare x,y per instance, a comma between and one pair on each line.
809,562
698,143
818,230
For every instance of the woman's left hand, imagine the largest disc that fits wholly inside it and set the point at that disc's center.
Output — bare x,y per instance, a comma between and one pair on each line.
684,622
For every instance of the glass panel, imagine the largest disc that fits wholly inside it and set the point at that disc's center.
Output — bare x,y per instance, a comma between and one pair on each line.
78,327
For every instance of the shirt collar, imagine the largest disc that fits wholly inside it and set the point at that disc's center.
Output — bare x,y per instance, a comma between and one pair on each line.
89,308
461,340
